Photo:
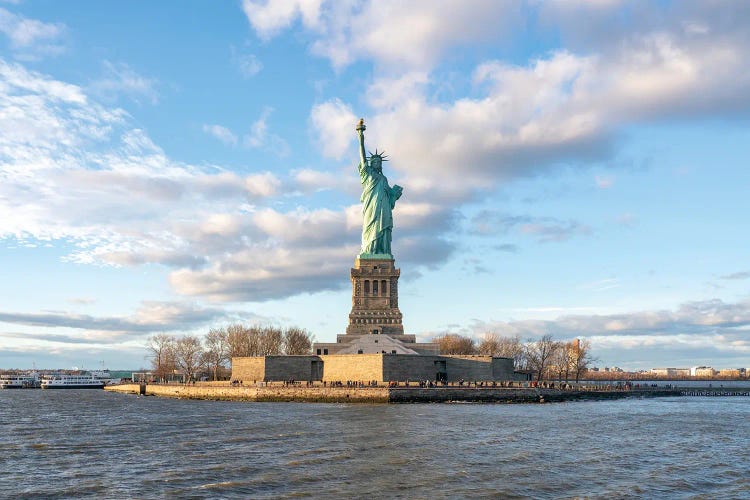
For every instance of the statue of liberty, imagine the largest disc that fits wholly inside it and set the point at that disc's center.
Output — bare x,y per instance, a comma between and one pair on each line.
378,200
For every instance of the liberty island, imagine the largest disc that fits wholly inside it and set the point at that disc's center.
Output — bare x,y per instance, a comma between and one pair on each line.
375,347
375,357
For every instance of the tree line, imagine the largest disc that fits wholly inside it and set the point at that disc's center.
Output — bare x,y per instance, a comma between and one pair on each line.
192,355
545,357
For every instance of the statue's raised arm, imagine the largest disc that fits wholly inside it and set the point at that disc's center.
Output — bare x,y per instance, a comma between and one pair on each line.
378,200
361,133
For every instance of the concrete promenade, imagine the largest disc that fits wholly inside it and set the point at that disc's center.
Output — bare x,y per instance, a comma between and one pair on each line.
279,392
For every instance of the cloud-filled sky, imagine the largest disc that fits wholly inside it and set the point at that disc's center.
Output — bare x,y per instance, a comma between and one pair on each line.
575,168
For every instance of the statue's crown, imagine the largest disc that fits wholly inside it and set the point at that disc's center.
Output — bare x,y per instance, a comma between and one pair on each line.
380,155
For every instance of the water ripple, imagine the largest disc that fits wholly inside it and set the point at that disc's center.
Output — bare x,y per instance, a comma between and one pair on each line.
94,444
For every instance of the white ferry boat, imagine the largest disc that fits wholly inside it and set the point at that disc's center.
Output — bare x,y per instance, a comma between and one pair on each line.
72,382
16,381
12,381
105,376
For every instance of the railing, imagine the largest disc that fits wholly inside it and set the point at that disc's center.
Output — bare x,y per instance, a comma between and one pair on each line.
715,392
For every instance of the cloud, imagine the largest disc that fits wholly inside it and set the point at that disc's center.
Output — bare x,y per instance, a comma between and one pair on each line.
259,274
601,285
306,251
82,300
120,79
31,38
247,64
345,32
221,133
568,106
559,109
269,18
150,317
544,229
132,205
741,275
215,230
690,318
386,92
58,338
507,247
702,330
308,180
333,124
259,137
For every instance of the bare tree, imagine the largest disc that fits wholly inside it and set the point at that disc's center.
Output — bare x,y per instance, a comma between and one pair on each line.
580,358
241,340
161,352
271,341
297,341
561,361
254,341
452,343
217,350
539,354
493,344
189,355
489,345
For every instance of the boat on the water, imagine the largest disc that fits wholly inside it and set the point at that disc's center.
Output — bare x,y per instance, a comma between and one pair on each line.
11,382
72,382
18,381
105,376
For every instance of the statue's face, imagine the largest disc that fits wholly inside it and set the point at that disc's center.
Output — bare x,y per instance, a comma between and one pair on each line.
377,164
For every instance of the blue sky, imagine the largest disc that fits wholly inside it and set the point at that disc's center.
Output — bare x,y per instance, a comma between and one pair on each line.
574,168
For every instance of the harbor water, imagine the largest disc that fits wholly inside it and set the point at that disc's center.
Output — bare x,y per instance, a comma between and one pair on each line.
96,444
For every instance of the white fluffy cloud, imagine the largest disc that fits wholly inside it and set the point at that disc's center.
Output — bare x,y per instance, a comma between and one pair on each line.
216,228
31,38
259,273
134,205
412,33
566,106
268,18
333,122
559,108
132,202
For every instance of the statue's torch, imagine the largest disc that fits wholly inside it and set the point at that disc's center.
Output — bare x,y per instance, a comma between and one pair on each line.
361,125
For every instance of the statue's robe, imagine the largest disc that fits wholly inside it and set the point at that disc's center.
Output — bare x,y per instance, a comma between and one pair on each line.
378,200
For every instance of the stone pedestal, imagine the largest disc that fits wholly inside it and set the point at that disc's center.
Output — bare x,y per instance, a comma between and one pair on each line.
375,298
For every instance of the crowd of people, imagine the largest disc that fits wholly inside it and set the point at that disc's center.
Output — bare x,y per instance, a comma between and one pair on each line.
350,384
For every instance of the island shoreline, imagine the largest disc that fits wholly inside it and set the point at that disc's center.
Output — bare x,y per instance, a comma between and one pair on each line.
318,394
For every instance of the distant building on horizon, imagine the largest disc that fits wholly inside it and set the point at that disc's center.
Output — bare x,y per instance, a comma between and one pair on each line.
671,372
702,371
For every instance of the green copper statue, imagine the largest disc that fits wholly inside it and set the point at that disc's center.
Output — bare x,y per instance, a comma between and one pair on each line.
378,199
